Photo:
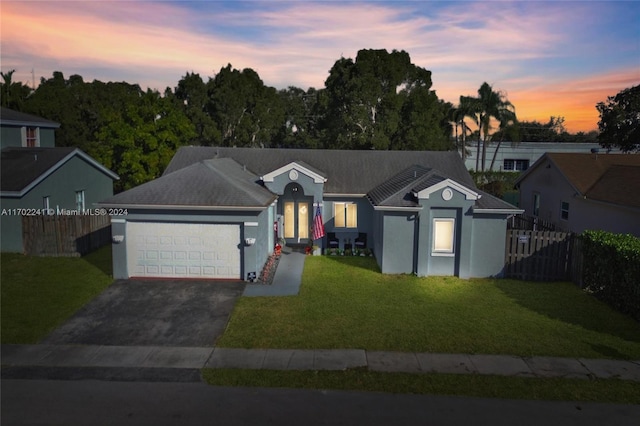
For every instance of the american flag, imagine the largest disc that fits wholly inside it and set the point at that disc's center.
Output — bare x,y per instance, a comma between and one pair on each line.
318,226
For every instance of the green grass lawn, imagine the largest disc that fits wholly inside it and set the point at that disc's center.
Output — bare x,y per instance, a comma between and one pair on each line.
347,303
39,293
474,385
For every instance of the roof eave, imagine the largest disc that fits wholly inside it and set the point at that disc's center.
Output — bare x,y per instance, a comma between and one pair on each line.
397,208
498,211
180,207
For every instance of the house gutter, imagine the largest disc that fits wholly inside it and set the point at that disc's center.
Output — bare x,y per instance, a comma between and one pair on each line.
397,209
336,195
498,211
180,207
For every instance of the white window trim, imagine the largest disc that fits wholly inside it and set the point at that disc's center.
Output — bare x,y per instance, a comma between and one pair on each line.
23,134
448,252
343,213
80,200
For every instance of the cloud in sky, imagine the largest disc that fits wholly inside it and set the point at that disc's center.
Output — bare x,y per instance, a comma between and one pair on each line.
552,58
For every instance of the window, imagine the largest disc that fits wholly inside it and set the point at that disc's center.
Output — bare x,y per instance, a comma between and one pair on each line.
80,200
536,204
515,165
564,211
346,215
443,236
30,137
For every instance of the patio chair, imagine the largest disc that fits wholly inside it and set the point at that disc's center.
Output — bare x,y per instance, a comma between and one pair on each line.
361,241
332,240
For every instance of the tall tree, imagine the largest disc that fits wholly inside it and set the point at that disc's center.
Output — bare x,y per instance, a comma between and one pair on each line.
381,101
247,112
487,106
138,141
192,94
12,94
299,129
619,123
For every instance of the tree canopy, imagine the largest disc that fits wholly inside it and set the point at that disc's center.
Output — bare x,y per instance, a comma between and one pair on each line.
380,100
619,123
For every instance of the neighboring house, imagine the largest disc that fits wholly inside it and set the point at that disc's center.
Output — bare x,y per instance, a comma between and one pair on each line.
18,129
37,181
517,157
584,191
38,178
217,212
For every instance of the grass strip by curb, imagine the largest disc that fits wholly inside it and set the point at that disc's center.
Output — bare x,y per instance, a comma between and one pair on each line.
361,379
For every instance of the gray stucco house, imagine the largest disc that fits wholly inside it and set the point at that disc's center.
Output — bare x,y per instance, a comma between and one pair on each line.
38,178
55,181
18,129
217,212
579,191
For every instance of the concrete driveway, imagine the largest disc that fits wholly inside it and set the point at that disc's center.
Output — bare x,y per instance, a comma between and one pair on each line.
153,313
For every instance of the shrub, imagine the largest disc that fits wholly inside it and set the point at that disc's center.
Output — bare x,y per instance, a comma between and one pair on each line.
612,269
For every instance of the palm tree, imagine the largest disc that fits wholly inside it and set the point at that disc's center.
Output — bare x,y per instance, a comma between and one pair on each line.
457,116
12,94
488,105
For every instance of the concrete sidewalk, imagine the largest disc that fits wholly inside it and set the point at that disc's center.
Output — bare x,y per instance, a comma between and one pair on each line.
319,359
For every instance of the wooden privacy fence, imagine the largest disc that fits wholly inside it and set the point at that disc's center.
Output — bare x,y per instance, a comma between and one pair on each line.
531,223
60,235
543,256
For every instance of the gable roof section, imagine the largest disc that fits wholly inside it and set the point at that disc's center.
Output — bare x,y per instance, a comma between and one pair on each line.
9,117
618,185
582,171
210,184
404,189
24,168
347,172
399,190
603,177
316,175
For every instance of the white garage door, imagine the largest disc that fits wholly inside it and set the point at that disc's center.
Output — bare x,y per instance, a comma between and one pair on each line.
183,250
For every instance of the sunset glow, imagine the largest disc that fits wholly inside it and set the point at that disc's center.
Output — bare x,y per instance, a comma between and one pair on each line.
550,58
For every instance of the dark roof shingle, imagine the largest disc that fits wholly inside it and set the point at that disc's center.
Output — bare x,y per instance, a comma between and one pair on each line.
348,172
17,118
209,183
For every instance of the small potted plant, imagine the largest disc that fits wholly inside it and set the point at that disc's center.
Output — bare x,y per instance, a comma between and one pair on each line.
278,248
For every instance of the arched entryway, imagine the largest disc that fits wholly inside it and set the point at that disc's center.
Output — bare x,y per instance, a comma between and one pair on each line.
297,214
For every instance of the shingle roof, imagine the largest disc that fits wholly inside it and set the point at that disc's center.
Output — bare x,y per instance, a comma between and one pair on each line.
348,172
22,168
16,118
610,178
618,185
397,191
214,183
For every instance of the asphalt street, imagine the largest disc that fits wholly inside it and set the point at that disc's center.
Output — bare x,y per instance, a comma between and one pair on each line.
89,402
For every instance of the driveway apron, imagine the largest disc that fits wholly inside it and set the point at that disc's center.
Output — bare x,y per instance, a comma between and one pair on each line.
153,313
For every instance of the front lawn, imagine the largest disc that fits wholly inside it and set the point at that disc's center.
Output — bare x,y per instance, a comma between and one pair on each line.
40,293
347,303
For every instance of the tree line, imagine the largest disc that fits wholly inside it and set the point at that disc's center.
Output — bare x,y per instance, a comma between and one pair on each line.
380,101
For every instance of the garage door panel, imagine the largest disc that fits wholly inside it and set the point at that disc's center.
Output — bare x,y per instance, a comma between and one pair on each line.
183,250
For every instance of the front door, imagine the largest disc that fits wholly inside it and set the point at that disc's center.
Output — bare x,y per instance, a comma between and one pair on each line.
296,221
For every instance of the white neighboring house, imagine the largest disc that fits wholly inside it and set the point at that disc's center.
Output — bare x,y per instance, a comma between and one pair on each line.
584,191
517,157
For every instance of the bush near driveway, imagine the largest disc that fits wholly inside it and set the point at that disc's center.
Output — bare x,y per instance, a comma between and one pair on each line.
40,293
344,302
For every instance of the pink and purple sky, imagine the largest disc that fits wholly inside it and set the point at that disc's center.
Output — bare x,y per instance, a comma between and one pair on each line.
550,57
